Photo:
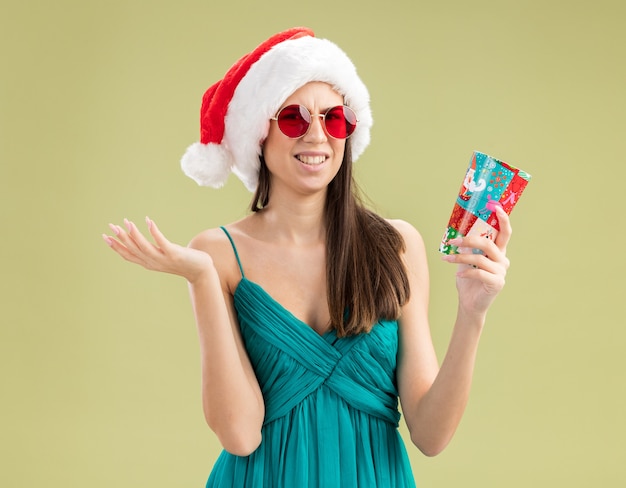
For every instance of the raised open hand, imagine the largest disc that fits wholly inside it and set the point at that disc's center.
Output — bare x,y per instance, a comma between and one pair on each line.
162,255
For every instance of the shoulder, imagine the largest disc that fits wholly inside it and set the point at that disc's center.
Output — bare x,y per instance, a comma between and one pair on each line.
414,248
216,243
209,240
408,232
216,240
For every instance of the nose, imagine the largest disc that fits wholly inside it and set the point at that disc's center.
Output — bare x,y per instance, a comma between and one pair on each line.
316,132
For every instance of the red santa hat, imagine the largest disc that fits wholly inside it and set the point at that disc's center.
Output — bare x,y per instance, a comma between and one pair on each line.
235,112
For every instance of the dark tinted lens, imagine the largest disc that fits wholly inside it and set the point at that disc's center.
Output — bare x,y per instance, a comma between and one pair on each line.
294,121
340,121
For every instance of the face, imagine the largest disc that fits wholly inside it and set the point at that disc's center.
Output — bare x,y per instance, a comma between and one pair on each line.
309,163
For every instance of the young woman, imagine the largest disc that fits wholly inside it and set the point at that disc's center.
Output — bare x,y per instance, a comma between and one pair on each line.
313,311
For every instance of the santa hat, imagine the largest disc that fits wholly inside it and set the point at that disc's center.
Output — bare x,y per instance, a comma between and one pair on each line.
235,112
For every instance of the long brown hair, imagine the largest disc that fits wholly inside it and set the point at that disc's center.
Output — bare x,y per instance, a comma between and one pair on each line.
366,277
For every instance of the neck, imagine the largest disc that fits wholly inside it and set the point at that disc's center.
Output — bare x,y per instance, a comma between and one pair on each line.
298,221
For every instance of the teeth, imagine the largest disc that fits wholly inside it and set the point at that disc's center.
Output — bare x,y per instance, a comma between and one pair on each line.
312,160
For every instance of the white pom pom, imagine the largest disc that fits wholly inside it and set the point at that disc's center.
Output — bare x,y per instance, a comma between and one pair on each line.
207,164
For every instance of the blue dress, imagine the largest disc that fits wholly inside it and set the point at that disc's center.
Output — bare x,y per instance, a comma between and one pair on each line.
331,404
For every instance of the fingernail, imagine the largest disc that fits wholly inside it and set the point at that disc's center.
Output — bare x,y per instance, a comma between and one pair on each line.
115,229
456,241
149,222
450,258
107,239
128,224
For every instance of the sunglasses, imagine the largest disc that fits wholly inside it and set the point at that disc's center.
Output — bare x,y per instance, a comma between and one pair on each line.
295,120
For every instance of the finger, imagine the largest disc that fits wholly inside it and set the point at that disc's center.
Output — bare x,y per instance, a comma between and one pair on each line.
108,240
136,248
480,261
122,250
475,244
123,237
504,222
473,260
139,240
493,282
479,245
492,254
157,235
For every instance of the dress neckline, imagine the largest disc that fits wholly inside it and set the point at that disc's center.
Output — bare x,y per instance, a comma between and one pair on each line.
328,336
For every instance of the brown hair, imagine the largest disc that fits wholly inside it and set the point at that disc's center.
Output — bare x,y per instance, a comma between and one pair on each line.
366,277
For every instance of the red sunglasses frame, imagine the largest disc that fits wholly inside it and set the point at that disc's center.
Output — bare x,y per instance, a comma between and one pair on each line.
303,110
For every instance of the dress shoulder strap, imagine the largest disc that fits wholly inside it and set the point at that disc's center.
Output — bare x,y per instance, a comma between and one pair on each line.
232,243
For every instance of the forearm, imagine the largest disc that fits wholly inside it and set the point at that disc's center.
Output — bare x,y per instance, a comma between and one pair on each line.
232,401
437,415
434,396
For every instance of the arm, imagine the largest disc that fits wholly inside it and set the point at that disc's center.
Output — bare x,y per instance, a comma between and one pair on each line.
232,401
434,398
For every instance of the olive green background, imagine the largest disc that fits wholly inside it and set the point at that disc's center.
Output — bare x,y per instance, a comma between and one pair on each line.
99,361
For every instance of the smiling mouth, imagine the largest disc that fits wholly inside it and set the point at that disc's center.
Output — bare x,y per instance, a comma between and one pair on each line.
311,160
